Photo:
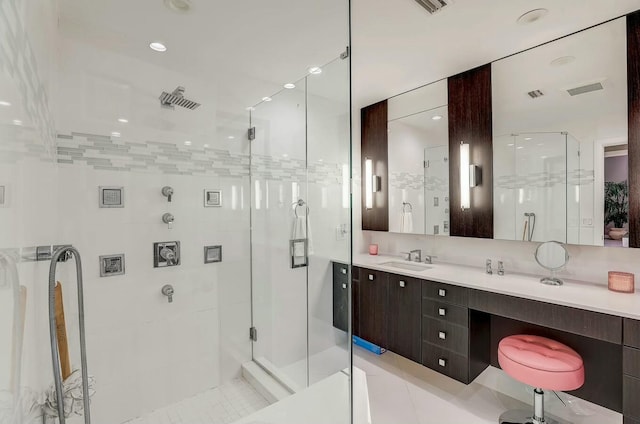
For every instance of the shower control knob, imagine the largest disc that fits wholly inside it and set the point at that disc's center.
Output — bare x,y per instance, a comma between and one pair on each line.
167,192
167,290
168,219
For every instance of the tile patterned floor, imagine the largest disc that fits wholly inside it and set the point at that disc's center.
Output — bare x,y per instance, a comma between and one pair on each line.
225,404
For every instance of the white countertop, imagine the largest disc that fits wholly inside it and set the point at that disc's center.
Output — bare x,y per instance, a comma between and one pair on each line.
576,294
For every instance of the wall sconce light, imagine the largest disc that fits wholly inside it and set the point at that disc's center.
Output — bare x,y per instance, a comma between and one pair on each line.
372,183
470,176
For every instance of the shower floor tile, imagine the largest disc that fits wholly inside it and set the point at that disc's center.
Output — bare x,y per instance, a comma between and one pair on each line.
225,404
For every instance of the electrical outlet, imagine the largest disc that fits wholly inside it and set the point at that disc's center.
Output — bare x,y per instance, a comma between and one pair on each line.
587,222
341,232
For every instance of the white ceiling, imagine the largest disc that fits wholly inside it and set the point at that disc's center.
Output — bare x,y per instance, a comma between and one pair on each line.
398,46
243,50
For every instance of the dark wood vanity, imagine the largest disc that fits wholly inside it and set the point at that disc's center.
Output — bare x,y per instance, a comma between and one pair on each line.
455,331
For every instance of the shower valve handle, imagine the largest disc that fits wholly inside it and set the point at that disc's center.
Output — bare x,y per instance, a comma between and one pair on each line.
167,192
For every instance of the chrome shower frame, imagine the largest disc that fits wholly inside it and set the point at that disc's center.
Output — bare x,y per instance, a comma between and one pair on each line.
55,355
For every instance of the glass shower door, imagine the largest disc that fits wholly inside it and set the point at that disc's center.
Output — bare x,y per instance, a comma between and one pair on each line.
278,182
300,212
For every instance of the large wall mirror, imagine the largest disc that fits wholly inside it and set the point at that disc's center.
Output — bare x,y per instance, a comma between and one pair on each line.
561,119
560,136
418,149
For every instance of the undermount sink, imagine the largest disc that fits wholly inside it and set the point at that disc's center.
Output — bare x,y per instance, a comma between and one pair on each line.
409,266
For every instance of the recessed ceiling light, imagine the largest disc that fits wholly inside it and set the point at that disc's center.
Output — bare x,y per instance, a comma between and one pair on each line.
266,99
123,120
315,70
320,160
285,155
510,144
289,86
181,6
205,146
527,138
17,122
436,117
158,46
187,143
115,134
564,60
231,137
532,16
520,147
4,103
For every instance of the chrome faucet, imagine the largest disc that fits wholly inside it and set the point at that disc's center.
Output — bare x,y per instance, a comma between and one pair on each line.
167,192
488,267
415,255
500,268
168,219
428,259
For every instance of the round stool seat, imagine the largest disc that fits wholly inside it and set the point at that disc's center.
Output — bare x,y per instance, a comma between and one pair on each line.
541,362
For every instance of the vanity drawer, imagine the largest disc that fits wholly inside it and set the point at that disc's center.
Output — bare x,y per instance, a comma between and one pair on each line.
446,335
631,361
445,362
630,396
632,332
446,312
445,293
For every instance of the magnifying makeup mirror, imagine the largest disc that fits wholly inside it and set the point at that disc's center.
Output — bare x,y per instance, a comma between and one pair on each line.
553,256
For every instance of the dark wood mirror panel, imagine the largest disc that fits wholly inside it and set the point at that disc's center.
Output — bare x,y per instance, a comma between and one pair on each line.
633,99
470,122
375,139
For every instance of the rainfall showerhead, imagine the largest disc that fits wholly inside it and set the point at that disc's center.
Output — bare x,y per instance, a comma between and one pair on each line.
169,100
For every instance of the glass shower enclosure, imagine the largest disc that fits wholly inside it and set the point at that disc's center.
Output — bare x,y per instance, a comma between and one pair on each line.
300,220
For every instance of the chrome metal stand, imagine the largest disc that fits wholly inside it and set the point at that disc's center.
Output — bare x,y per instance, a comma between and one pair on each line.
55,355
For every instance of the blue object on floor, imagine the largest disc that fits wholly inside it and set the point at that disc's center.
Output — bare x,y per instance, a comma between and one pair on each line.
368,345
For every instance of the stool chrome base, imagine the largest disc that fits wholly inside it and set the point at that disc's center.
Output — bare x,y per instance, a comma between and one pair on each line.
520,416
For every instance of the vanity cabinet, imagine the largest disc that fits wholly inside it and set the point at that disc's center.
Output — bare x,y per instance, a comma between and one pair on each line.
341,296
404,316
445,329
631,371
373,309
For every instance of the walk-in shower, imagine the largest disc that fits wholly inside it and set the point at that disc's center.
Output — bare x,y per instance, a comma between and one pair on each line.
190,309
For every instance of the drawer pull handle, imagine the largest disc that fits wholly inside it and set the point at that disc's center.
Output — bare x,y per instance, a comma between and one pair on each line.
370,277
402,283
442,312
442,362
442,292
344,285
344,270
442,335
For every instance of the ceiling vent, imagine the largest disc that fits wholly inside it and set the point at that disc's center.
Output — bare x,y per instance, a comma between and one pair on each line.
535,94
433,6
585,89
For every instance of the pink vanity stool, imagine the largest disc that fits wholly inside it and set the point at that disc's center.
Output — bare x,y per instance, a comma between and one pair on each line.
542,363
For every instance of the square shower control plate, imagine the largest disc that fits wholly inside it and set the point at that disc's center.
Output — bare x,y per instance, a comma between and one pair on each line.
111,265
212,254
111,197
164,251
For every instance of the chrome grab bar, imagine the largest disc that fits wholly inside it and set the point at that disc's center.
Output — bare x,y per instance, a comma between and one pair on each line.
55,355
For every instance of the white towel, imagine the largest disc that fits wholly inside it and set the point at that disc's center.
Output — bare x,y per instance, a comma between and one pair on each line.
301,229
406,224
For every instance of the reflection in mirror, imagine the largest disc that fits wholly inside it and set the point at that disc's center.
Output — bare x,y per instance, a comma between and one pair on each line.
531,172
418,161
556,109
552,256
